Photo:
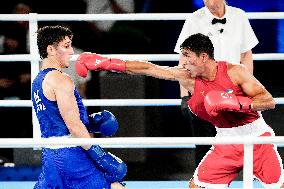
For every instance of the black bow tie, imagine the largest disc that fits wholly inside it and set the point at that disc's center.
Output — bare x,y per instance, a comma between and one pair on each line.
222,21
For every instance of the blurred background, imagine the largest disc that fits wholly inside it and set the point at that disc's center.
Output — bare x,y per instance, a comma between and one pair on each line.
124,37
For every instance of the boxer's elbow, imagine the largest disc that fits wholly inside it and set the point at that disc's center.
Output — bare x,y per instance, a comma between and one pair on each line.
272,103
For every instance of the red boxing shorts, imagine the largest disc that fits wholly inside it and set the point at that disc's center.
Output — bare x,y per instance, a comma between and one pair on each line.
223,163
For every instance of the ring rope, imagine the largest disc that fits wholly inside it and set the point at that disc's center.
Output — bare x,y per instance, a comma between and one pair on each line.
152,142
138,142
149,57
113,102
129,16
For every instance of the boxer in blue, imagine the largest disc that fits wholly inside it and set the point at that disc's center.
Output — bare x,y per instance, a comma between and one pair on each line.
61,113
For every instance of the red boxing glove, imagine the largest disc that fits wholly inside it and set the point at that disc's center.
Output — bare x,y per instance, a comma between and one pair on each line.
216,101
91,61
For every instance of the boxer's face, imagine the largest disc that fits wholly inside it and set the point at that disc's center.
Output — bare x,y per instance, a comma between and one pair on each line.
192,62
63,51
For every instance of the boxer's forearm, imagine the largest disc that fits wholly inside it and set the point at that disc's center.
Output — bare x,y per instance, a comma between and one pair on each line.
149,69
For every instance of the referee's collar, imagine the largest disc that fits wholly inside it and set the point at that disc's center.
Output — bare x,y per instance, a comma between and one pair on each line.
211,16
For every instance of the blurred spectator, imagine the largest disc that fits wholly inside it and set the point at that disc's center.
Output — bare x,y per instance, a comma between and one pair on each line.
108,7
15,40
15,80
112,34
15,34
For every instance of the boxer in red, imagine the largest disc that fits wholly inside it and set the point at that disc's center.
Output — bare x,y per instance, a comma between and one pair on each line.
227,95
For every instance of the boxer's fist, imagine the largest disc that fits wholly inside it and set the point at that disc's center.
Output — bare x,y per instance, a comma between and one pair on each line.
103,122
91,61
216,101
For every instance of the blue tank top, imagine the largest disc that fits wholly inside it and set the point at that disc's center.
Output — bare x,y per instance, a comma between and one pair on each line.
47,112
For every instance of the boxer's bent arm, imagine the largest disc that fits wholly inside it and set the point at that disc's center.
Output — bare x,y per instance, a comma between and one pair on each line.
64,92
262,99
247,60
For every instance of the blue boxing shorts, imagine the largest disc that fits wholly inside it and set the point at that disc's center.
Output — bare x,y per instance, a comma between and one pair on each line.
69,168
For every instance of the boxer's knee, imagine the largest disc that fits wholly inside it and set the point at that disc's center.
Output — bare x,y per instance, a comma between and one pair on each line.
272,181
117,185
271,178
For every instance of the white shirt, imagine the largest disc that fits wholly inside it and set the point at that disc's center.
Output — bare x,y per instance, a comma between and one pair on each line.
237,36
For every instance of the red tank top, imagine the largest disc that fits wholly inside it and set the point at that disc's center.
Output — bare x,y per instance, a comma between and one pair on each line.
222,82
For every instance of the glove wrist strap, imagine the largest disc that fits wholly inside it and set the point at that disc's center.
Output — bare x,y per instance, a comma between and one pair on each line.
245,103
117,65
96,152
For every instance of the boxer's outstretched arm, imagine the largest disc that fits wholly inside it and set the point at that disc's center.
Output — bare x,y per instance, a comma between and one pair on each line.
92,61
149,69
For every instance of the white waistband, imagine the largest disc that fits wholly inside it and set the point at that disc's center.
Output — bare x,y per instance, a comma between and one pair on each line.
65,136
60,146
255,128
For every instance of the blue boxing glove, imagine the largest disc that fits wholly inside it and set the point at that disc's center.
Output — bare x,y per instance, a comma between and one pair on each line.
103,122
113,167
